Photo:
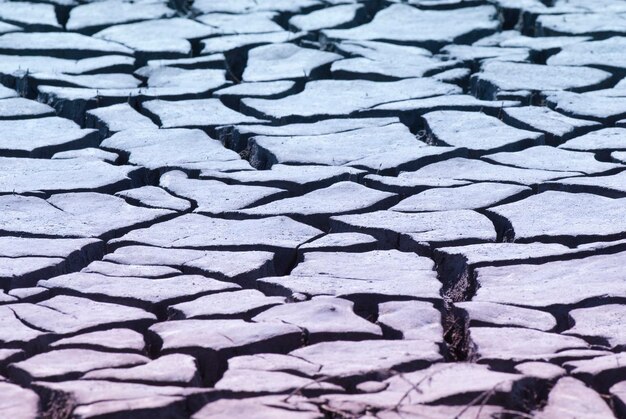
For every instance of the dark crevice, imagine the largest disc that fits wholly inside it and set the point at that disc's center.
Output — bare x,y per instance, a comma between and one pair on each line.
530,394
293,262
62,14
54,404
457,338
235,64
459,285
504,229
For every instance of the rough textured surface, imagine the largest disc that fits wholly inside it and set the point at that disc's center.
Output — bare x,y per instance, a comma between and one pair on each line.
312,209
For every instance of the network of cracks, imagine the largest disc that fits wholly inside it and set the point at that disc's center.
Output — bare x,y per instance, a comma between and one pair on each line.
313,209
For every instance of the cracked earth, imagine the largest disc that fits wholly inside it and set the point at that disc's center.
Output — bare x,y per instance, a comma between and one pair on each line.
313,209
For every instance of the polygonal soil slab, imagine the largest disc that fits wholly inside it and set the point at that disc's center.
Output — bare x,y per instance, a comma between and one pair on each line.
20,108
115,118
232,95
89,18
297,179
228,43
41,81
198,231
588,106
154,197
93,398
25,271
59,44
15,64
213,341
507,344
602,322
604,140
410,108
63,175
284,61
353,362
475,196
240,267
315,207
477,132
406,183
324,318
66,364
90,153
72,249
234,23
542,285
593,24
380,60
183,83
482,313
431,29
266,407
461,169
215,197
555,159
72,215
70,315
14,332
336,242
612,186
28,405
196,113
30,16
540,369
602,54
329,17
237,137
331,149
601,370
42,137
241,381
473,54
273,363
372,265
564,218
143,271
175,369
386,149
279,234
571,398
6,93
148,293
540,44
115,339
419,231
502,76
556,126
411,319
378,274
180,148
159,38
231,305
460,381
326,98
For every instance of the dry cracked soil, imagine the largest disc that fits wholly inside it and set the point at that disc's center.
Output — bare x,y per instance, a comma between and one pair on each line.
305,209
